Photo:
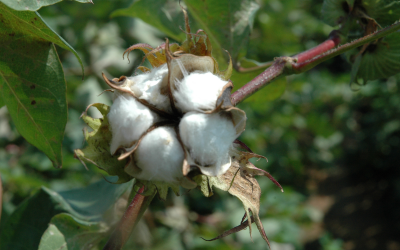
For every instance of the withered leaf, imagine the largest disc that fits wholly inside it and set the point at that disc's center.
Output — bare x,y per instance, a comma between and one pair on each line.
244,187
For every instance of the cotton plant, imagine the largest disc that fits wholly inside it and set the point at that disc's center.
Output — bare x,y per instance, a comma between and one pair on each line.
174,126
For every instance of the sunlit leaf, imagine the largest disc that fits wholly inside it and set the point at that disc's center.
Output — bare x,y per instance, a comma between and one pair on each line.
33,5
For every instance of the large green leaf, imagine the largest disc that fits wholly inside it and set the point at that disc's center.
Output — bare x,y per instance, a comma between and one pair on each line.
25,226
227,23
335,11
381,60
33,5
32,82
69,233
91,202
385,12
165,15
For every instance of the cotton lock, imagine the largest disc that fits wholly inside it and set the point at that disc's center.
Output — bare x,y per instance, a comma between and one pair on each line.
128,119
159,156
208,138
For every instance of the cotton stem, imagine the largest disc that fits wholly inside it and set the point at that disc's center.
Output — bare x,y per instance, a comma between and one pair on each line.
129,220
284,66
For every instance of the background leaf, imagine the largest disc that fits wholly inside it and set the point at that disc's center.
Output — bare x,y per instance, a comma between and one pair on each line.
32,80
1,101
91,202
68,232
380,60
33,5
334,11
227,23
24,228
385,12
165,15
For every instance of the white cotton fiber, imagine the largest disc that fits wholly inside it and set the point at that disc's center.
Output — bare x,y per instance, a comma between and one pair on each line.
146,86
128,120
160,156
208,138
197,91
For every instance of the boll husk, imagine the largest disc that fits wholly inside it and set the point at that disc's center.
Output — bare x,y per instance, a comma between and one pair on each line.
174,125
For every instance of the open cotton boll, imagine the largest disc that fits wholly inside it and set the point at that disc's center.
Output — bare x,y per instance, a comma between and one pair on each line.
128,119
160,156
208,138
198,91
147,86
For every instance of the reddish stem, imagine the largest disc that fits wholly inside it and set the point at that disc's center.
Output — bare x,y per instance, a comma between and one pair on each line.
259,81
307,60
127,223
332,42
278,67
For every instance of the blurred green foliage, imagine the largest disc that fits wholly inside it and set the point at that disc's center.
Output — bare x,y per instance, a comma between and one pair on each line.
319,126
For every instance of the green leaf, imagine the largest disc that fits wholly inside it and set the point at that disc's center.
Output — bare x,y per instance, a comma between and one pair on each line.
165,15
385,12
227,23
52,239
91,202
381,60
69,233
31,26
33,5
335,11
354,69
1,101
25,226
32,80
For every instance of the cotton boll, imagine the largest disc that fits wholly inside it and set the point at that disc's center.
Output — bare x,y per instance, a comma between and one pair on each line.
198,91
208,138
147,86
160,156
128,119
